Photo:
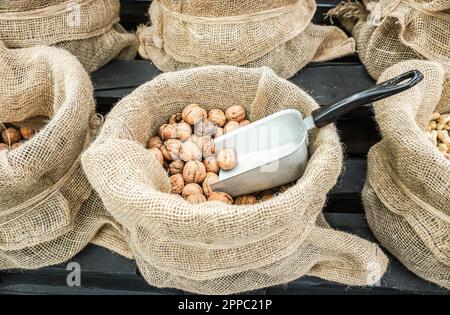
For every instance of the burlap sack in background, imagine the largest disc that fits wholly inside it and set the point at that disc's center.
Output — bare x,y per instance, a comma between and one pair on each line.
249,33
391,31
407,194
89,29
214,248
47,210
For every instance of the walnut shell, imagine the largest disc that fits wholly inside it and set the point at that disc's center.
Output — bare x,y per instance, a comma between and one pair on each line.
184,131
27,133
244,123
195,199
246,200
266,195
16,145
11,136
176,167
190,152
219,132
235,113
154,142
217,116
210,179
171,149
205,127
156,153
175,118
226,159
230,126
193,113
177,183
3,147
208,148
194,172
191,189
211,164
167,132
220,196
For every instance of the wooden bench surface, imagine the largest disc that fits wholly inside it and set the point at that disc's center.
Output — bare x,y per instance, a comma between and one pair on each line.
104,272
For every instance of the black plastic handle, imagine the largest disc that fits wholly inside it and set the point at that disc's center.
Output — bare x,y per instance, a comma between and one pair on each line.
329,114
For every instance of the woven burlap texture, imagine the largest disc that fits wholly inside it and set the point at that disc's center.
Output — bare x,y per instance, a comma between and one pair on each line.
47,210
88,29
214,248
249,33
407,194
391,31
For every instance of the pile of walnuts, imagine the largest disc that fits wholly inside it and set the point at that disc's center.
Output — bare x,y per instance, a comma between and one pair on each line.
12,136
438,131
185,147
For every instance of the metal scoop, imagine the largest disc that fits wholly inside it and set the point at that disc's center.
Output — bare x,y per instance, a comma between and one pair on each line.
273,151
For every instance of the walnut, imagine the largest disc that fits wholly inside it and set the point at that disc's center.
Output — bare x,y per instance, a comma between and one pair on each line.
171,149
246,200
217,116
27,133
3,146
208,148
193,113
211,164
194,172
16,145
154,142
220,196
167,132
235,113
184,131
11,136
177,183
230,126
205,127
190,152
176,167
156,153
219,132
196,199
226,159
266,195
210,179
244,123
191,189
175,118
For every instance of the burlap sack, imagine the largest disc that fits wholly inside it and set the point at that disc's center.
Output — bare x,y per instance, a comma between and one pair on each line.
407,194
47,210
89,29
214,248
391,31
249,33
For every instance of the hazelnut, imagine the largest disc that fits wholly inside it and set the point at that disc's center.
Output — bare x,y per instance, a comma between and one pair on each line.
210,179
16,145
190,152
209,147
230,126
11,135
27,133
196,199
191,189
154,142
177,183
176,167
171,149
220,196
235,113
226,159
156,153
205,127
193,113
246,200
219,132
217,116
244,123
167,132
184,131
194,172
211,164
3,146
175,118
